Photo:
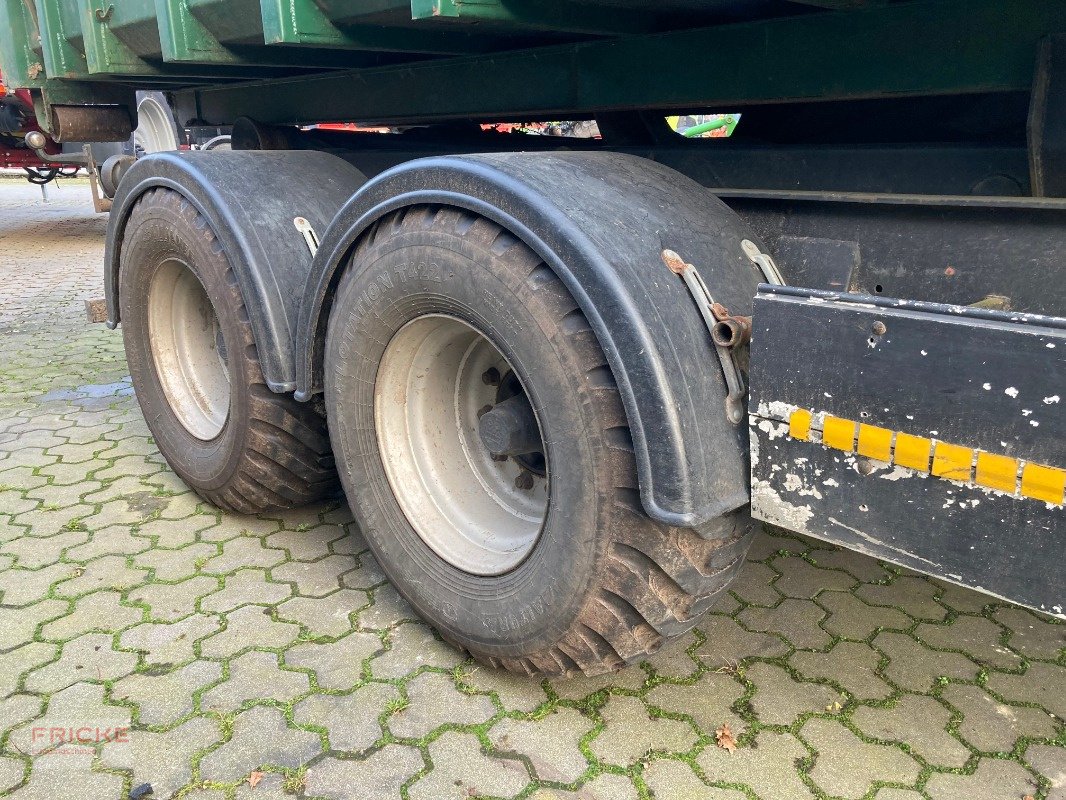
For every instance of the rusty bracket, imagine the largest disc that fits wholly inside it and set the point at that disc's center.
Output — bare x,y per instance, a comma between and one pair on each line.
705,302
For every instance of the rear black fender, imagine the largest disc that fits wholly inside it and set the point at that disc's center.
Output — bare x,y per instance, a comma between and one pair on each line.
601,221
250,200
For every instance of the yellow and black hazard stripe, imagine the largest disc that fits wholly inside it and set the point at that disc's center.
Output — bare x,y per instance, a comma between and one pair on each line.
1006,474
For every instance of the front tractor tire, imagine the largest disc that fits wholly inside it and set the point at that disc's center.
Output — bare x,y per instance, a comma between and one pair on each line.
196,371
448,335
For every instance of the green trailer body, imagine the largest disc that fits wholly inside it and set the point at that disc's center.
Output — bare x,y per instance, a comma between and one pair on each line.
559,375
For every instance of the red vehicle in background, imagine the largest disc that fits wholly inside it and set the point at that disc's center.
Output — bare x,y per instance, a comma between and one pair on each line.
17,119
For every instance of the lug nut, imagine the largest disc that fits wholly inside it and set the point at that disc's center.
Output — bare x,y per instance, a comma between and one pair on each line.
524,481
491,376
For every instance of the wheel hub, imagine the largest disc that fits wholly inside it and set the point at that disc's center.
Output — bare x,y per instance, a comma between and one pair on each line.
188,350
457,445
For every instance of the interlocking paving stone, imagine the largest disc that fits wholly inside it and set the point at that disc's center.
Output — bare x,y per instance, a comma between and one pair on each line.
977,636
388,610
250,626
100,611
15,663
916,667
859,566
802,579
851,618
580,687
96,533
920,723
169,602
754,585
243,551
351,719
308,545
914,596
780,699
728,643
674,660
435,701
709,701
260,736
113,540
17,625
850,664
602,787
1033,636
337,665
632,733
515,692
413,645
314,578
253,676
993,780
174,533
17,708
550,743
769,769
165,698
87,658
175,565
77,720
11,772
675,780
991,725
1051,763
461,770
108,572
324,616
162,759
377,777
34,552
169,643
798,618
242,588
847,766
20,587
1041,683
67,777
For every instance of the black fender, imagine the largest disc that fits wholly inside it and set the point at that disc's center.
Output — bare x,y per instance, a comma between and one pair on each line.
601,221
250,200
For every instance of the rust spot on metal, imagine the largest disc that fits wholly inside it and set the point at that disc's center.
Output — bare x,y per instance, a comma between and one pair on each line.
729,331
675,263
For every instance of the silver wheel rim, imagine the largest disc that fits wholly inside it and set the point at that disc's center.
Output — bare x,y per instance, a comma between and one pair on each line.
188,350
155,127
480,514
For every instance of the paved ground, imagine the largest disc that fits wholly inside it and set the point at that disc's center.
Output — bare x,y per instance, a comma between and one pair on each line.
191,649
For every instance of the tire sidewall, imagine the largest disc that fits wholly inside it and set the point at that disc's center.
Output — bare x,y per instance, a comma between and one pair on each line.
413,273
154,235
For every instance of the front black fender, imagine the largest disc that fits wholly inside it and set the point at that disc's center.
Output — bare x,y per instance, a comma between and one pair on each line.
601,221
250,199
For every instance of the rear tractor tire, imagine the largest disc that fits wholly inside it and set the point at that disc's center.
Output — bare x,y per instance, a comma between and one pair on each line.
487,456
196,371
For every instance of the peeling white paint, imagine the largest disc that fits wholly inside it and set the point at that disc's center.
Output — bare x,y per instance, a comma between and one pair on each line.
1010,391
986,386
1049,400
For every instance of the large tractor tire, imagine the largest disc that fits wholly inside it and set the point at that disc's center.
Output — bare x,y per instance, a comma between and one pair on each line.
448,335
196,371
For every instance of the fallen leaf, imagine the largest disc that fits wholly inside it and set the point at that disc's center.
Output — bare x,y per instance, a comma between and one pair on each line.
254,778
724,737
